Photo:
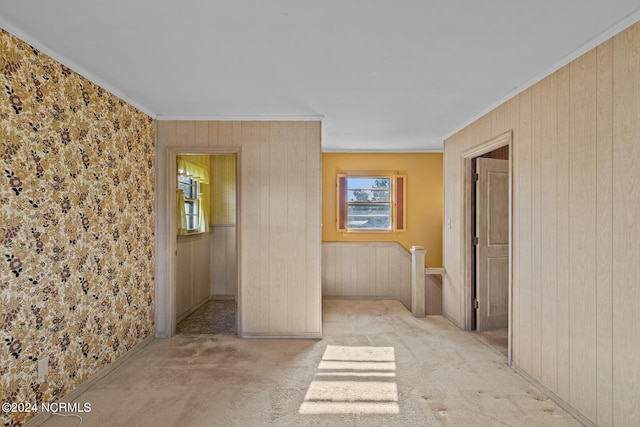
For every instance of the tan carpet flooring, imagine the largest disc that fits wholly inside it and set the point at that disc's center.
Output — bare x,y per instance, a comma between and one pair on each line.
376,366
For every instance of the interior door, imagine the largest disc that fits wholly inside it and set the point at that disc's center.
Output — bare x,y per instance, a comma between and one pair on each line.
492,248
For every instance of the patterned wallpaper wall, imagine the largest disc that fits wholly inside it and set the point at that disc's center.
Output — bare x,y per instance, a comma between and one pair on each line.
76,226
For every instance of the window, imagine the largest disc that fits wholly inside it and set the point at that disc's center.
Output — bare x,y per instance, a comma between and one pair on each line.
191,190
371,202
193,195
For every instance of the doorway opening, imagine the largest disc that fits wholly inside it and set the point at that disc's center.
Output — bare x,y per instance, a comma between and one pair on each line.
197,256
487,257
206,261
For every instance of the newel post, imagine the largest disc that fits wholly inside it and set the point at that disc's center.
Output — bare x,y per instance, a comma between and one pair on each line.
417,281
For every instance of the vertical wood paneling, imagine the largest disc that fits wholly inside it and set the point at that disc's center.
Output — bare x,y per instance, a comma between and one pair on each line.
482,128
453,280
223,260
225,133
386,266
200,268
296,226
267,244
252,305
582,234
562,239
363,268
192,273
545,133
231,266
499,119
626,227
512,122
313,192
183,278
344,283
328,270
236,132
185,133
395,274
201,131
279,250
382,272
576,202
604,202
525,210
166,133
538,116
372,263
265,232
213,134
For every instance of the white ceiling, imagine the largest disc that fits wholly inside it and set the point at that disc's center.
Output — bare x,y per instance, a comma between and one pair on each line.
383,75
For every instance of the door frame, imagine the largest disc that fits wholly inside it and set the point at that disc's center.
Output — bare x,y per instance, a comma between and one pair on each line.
166,234
505,139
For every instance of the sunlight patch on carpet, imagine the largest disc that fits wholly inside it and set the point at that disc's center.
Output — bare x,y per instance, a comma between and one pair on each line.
362,384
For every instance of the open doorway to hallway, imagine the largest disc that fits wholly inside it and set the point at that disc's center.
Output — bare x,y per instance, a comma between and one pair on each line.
487,236
206,247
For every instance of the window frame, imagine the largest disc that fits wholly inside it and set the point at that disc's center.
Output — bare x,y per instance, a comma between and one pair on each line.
194,201
397,196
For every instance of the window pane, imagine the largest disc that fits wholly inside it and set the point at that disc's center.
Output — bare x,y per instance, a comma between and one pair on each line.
368,222
190,207
192,222
365,183
186,185
370,209
370,216
186,189
368,196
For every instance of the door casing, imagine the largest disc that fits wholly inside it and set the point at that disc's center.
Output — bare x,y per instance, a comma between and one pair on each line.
166,231
505,139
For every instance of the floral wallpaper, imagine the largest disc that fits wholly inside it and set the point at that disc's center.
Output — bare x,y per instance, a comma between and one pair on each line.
76,227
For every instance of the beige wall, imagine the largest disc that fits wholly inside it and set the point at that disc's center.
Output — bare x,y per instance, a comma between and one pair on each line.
576,275
279,222
367,270
223,262
192,273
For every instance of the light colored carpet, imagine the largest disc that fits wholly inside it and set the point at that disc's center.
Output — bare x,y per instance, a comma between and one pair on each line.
376,366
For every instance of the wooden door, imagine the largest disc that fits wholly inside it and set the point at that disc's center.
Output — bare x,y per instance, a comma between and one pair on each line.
492,248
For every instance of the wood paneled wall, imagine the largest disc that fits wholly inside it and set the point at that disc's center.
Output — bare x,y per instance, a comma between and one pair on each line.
279,221
366,269
192,273
576,204
224,262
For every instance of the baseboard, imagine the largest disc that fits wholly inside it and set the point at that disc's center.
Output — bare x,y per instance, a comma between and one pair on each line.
312,336
85,386
557,399
362,297
224,297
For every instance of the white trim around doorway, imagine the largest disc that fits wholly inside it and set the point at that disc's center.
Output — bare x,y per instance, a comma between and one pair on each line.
166,232
505,139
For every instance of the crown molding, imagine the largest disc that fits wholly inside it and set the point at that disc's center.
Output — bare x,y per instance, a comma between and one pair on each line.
264,118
